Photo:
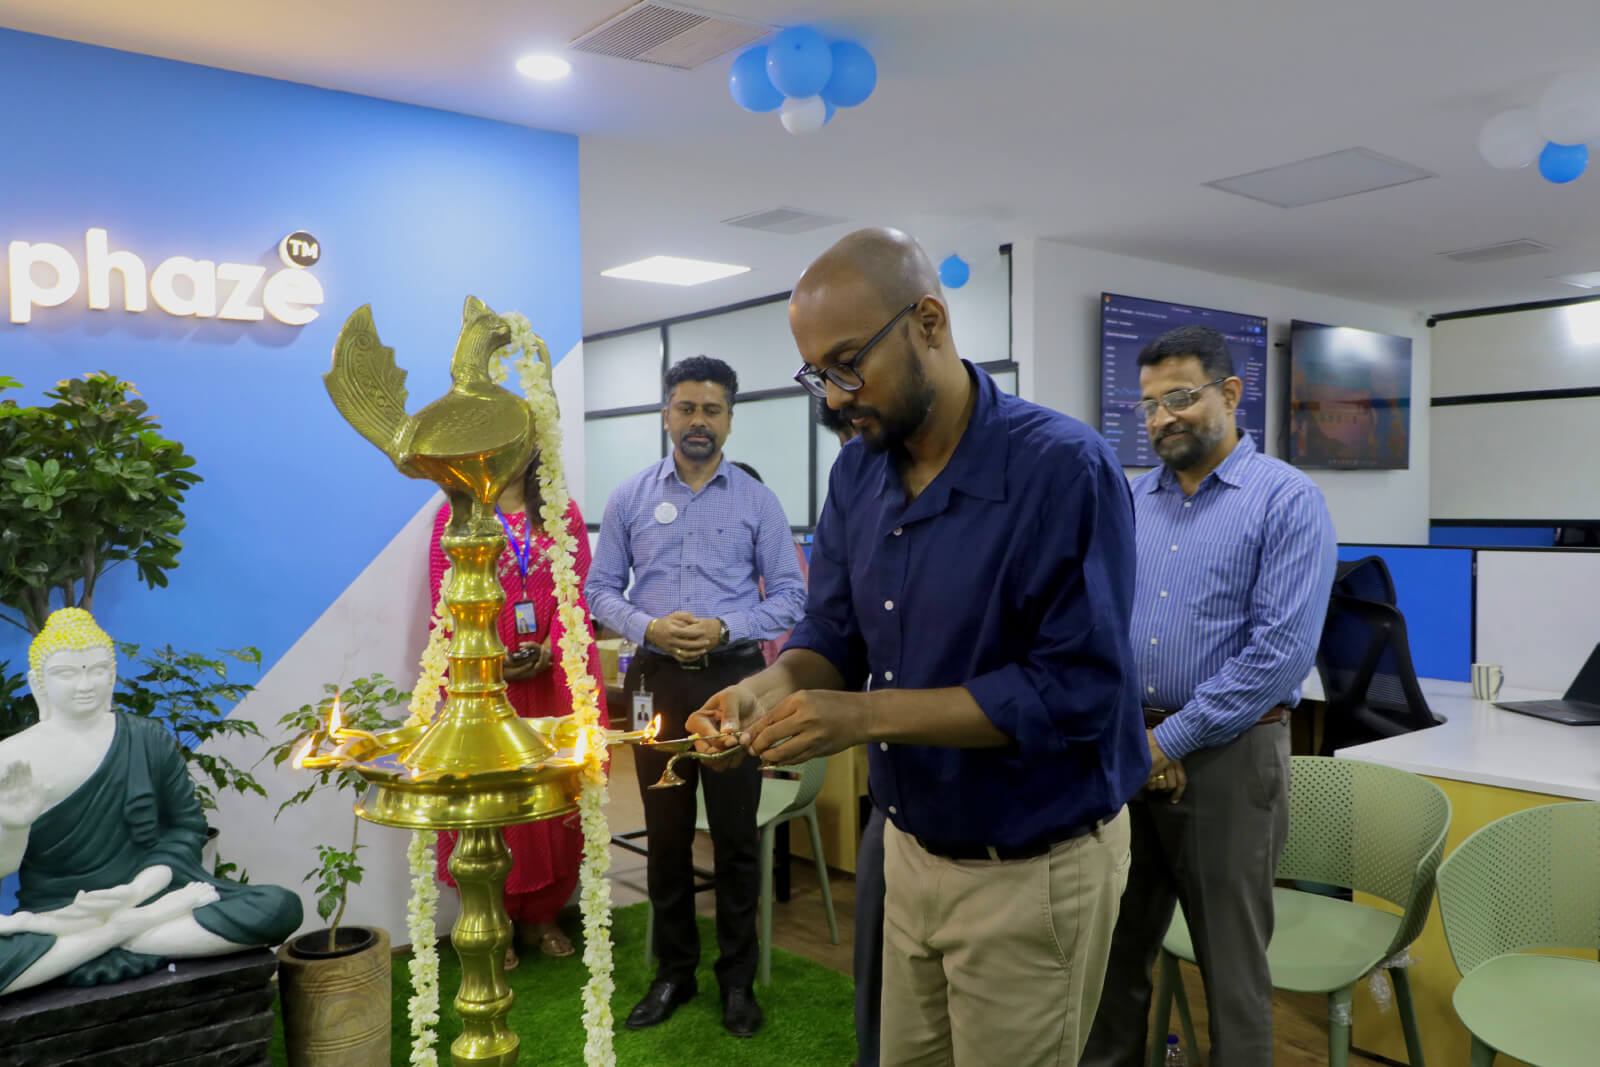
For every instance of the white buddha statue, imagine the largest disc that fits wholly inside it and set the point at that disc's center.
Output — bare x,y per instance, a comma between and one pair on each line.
98,815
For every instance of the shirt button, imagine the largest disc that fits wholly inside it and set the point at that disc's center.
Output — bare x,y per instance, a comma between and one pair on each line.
1174,548
883,746
1163,592
888,605
1188,503
1152,640
888,676
1149,689
898,531
893,810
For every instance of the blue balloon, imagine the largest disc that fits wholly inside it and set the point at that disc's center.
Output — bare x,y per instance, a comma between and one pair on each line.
749,84
954,272
828,114
855,75
799,62
1561,163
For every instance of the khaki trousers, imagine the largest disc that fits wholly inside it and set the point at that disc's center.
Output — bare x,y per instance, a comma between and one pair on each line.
997,962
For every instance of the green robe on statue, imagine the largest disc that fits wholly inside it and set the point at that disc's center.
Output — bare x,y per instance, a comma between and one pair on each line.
137,809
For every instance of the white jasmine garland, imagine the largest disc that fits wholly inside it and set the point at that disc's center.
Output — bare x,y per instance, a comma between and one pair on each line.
424,1005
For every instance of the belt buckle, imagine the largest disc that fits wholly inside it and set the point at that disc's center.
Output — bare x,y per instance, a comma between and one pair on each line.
699,663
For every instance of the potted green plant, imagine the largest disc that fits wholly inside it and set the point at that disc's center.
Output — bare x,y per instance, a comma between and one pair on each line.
335,982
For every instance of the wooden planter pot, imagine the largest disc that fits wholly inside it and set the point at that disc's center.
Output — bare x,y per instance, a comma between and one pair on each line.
336,1005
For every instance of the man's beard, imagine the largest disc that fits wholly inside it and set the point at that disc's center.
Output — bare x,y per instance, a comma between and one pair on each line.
1182,446
696,447
891,430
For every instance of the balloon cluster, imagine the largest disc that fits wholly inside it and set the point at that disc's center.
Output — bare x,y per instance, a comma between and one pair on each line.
803,78
1556,132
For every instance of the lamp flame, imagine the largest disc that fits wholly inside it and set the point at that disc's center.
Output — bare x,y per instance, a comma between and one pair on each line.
335,720
580,748
299,761
655,727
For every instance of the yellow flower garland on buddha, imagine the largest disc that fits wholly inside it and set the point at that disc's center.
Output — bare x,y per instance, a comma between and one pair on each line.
577,640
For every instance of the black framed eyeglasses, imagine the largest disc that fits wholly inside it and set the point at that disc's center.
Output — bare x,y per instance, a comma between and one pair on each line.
1175,401
845,374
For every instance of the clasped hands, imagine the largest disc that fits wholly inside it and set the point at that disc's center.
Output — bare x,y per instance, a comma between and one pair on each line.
797,728
684,635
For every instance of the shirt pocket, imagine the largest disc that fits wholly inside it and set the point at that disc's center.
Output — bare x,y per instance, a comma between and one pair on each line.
1225,576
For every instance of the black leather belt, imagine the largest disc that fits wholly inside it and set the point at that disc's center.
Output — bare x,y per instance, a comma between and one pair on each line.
1154,717
1028,851
731,650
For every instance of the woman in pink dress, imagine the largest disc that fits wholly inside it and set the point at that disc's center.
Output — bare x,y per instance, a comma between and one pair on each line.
545,855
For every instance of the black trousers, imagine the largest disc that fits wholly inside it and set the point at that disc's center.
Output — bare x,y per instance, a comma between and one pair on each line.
669,815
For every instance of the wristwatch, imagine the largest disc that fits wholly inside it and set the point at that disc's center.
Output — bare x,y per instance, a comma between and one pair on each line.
722,635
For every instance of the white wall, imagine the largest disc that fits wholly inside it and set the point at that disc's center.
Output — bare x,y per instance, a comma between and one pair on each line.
1525,459
1057,290
378,624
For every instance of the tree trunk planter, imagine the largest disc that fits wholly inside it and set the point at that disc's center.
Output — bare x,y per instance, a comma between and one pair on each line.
336,1004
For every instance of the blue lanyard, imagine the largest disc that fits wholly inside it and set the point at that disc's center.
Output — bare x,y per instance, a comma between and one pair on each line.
523,549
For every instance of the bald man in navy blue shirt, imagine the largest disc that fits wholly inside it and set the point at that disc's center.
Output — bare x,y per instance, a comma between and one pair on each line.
973,570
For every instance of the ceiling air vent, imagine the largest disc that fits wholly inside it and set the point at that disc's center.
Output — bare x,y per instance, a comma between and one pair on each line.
784,220
1491,253
668,35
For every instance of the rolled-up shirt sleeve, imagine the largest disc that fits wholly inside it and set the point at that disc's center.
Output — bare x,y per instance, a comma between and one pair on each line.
1069,682
829,626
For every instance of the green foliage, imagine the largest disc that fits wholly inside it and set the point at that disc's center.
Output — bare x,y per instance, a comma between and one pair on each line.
17,709
191,695
86,482
364,704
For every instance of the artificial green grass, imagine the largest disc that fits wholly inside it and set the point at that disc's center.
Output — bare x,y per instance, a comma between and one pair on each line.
809,1010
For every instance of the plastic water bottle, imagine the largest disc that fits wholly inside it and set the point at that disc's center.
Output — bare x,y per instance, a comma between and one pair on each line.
625,652
1175,1057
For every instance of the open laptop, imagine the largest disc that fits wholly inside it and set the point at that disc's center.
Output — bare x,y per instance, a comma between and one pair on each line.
1581,705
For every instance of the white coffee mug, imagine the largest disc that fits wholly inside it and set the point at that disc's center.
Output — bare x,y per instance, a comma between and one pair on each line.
1486,679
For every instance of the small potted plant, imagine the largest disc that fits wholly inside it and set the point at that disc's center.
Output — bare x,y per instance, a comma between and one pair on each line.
335,982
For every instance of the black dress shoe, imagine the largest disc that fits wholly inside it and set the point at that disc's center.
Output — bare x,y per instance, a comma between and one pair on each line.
659,1004
741,1015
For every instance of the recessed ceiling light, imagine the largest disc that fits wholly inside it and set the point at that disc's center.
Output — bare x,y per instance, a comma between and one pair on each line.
673,270
543,68
1586,280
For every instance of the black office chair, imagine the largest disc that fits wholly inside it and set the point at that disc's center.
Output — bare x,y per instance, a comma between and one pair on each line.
1368,681
1367,578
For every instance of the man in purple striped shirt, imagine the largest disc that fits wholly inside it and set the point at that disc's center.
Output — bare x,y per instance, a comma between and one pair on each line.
699,536
1235,563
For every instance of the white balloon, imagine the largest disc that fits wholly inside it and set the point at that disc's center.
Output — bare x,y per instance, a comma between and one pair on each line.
1569,111
804,114
1511,139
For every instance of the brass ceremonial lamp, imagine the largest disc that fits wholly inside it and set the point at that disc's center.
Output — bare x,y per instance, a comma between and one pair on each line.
477,766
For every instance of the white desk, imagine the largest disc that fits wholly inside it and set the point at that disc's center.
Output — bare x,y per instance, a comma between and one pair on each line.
1483,744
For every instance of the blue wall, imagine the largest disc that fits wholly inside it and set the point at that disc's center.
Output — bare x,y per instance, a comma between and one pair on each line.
414,210
1433,589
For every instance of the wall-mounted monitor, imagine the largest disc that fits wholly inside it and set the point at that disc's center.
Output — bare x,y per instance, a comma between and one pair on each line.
1349,398
1128,324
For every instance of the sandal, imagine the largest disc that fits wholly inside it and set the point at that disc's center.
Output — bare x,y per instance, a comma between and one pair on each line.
511,959
555,943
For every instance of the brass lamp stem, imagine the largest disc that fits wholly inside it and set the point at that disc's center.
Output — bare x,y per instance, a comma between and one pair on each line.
481,936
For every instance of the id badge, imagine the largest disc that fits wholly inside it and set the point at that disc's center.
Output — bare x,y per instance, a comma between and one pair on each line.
527,618
644,709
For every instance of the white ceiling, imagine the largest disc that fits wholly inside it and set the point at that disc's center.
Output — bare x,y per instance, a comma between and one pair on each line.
1095,124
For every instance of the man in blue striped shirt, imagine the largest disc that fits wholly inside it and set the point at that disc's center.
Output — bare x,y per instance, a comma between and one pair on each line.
1236,558
698,535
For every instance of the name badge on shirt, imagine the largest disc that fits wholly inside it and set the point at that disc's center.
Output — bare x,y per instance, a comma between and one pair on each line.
527,618
666,512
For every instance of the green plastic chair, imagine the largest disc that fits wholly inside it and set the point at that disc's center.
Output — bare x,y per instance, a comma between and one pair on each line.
782,799
1530,880
1360,826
